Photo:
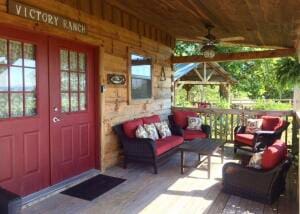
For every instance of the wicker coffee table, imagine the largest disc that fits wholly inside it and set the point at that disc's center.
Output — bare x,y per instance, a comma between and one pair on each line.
205,147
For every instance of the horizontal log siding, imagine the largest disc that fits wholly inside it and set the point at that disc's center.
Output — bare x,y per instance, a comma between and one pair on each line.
114,43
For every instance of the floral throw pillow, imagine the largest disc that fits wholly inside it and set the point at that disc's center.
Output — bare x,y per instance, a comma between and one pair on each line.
163,129
255,161
141,132
253,125
194,123
151,131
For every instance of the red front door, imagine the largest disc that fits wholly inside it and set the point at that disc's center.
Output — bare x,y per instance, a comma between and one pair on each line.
47,110
24,112
72,107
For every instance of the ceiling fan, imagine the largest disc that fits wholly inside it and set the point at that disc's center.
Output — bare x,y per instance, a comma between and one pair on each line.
209,42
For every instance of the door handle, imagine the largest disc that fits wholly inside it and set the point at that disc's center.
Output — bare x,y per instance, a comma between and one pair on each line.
56,119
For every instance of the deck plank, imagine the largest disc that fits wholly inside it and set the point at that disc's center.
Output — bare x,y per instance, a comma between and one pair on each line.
168,192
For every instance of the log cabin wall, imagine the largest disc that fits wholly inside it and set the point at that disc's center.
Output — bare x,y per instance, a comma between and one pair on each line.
115,32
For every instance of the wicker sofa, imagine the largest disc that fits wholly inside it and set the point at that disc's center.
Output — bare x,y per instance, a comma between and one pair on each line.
146,150
263,185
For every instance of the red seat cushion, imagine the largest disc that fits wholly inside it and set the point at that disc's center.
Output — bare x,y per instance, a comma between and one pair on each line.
130,127
165,144
245,139
274,154
151,119
271,123
181,117
192,134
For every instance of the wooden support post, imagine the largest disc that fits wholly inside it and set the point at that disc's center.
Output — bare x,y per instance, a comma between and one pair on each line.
224,91
102,107
297,44
204,72
296,102
174,92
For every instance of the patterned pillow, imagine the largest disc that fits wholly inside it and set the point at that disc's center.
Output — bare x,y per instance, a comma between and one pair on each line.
256,160
163,129
151,131
141,132
253,125
194,123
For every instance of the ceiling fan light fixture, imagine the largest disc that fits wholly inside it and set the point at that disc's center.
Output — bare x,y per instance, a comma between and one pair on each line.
208,51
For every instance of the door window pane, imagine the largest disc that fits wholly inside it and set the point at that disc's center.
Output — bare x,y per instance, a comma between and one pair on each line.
4,78
4,113
29,55
73,81
30,79
16,102
82,104
64,81
15,53
82,82
16,79
81,62
64,60
73,61
3,51
65,102
74,101
30,104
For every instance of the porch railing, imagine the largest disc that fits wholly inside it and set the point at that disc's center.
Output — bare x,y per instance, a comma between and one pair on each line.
223,122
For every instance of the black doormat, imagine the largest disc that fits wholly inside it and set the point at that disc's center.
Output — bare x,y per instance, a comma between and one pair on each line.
94,187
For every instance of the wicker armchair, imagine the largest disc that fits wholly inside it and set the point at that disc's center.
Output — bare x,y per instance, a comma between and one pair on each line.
260,139
264,186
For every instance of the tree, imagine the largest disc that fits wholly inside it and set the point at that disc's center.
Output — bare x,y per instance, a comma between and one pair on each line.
288,71
256,78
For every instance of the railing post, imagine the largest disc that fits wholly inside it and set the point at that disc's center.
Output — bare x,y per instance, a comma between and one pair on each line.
295,135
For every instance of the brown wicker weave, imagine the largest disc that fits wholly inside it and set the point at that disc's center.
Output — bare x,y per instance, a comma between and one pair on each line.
255,184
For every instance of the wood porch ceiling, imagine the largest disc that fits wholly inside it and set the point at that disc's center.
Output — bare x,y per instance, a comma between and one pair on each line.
264,23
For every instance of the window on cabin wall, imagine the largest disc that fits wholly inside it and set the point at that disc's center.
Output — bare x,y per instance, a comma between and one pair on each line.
141,77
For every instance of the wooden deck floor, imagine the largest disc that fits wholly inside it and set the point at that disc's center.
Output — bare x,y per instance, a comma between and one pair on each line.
168,192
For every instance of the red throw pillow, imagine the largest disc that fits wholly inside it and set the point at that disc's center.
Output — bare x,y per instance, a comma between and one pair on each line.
130,127
181,117
151,119
274,154
271,123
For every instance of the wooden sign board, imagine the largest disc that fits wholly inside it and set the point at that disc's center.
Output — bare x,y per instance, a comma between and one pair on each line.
36,14
116,79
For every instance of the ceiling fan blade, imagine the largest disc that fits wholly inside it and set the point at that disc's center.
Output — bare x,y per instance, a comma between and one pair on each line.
232,39
202,38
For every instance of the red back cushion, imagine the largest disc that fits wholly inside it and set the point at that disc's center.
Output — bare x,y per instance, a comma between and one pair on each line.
181,117
271,123
274,154
151,119
130,127
281,124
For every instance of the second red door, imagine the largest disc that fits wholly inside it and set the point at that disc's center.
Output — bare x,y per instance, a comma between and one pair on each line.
72,107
